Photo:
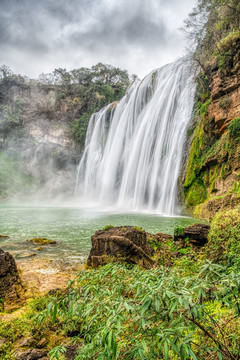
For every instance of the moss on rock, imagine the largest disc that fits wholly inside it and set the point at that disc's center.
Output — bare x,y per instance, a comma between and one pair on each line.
42,241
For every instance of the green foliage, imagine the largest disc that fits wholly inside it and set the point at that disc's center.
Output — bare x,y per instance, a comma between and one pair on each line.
107,227
196,193
124,313
203,107
79,128
56,352
224,236
98,86
178,231
209,159
190,131
139,229
226,48
213,31
194,187
203,90
227,42
10,116
198,146
12,331
234,128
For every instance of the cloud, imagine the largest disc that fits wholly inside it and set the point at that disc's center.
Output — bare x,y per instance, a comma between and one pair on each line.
38,36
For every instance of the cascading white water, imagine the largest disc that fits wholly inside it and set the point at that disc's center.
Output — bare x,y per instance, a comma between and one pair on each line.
133,149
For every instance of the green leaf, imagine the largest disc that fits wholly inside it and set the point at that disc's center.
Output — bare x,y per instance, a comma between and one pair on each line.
166,349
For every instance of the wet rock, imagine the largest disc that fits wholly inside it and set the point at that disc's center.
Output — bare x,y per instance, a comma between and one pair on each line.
9,278
25,342
42,241
196,235
38,249
125,243
26,255
30,354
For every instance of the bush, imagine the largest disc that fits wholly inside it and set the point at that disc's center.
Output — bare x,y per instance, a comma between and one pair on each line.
234,128
79,128
123,313
178,231
224,235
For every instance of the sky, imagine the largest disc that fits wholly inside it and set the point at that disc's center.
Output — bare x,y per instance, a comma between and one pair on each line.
37,36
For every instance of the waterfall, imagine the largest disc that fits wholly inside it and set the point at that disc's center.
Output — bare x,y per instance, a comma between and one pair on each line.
133,149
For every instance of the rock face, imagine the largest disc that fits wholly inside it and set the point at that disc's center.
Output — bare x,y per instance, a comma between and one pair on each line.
124,243
40,138
9,278
213,166
196,235
225,92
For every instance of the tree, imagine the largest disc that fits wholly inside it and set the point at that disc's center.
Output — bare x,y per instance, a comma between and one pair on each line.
208,24
5,72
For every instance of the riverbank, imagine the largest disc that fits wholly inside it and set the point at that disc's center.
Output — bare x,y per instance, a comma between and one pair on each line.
39,276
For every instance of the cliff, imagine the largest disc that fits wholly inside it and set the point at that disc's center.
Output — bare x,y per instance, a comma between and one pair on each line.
36,140
213,166
43,127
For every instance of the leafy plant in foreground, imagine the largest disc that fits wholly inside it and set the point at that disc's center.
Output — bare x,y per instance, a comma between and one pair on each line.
130,313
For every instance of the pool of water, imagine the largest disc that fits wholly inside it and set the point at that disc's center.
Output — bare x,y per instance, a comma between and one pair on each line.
70,227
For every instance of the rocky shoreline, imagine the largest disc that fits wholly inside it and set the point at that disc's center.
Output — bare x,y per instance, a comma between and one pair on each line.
28,276
47,294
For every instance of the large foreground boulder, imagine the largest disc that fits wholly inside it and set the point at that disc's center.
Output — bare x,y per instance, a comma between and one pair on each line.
10,284
196,234
124,243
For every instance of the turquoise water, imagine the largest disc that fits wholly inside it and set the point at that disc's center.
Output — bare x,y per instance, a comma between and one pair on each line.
71,228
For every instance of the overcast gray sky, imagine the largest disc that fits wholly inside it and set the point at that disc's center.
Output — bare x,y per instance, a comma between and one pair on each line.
138,35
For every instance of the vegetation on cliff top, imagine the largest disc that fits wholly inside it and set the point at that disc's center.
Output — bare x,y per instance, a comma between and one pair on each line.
86,89
57,103
213,29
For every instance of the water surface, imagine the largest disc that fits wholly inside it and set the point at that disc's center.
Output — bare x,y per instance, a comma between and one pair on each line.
71,228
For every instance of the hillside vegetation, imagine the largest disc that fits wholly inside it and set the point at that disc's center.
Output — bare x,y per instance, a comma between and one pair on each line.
43,124
213,167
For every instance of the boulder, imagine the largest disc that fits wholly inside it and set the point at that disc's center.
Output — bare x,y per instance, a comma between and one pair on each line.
124,243
9,278
196,235
30,354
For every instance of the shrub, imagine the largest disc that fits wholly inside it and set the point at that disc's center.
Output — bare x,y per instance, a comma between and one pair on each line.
224,235
234,128
123,313
178,231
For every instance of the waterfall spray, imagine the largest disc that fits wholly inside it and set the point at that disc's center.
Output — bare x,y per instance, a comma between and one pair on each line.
133,149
